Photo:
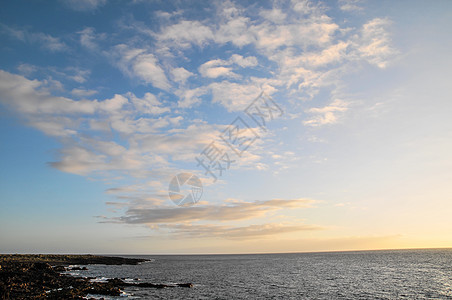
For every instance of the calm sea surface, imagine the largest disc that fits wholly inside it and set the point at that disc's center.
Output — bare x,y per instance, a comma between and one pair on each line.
400,274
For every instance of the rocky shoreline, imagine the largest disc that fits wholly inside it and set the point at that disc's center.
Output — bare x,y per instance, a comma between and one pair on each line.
41,277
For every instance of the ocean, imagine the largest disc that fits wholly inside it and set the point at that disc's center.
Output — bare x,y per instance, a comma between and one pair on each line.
388,274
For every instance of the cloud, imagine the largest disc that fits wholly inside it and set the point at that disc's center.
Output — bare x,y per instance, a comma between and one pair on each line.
185,34
243,62
374,42
77,125
236,31
83,93
309,48
137,62
74,74
56,126
46,41
190,97
292,50
333,54
327,114
181,75
32,97
234,96
275,15
79,160
148,104
234,212
218,67
258,231
207,70
350,5
84,5
27,69
89,38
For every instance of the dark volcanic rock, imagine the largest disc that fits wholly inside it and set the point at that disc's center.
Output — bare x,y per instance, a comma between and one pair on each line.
59,268
57,259
121,283
78,269
189,285
4,294
33,277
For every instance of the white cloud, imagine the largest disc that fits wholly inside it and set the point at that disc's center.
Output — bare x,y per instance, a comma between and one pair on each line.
190,97
350,5
77,123
55,126
274,15
148,152
185,34
333,54
300,50
326,115
374,42
233,96
218,67
75,74
181,75
235,30
243,62
140,63
31,97
89,38
148,104
49,42
306,7
213,69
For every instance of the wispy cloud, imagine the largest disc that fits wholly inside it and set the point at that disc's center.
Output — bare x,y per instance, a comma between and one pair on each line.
83,93
375,44
251,232
292,50
218,67
142,64
185,33
327,114
234,212
46,41
84,5
350,5
90,39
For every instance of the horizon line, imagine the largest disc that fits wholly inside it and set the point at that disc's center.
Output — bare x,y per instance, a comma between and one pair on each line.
245,253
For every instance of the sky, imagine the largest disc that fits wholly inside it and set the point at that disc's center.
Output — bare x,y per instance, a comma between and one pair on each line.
311,126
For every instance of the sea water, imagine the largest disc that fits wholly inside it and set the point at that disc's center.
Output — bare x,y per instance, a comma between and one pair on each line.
394,274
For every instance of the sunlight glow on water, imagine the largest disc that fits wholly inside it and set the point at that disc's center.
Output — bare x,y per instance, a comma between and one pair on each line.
400,274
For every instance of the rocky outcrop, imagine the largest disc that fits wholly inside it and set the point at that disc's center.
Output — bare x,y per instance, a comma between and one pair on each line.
34,277
121,283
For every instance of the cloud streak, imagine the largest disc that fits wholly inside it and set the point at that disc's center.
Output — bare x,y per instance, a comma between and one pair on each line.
251,232
234,212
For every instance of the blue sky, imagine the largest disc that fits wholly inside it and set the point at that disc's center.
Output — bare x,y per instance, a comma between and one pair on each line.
103,102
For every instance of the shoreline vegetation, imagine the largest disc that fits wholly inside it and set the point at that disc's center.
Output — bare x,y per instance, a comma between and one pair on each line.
41,276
